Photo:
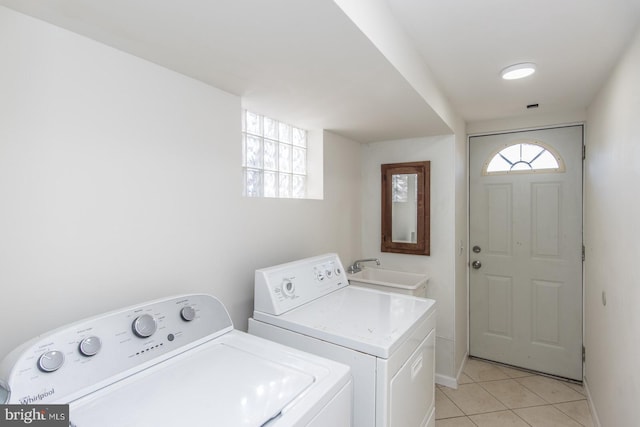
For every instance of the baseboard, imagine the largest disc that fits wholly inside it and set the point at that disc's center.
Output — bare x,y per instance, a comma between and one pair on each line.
462,365
592,407
446,381
452,382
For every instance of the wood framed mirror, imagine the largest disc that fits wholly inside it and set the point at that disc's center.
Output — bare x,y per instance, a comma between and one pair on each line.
406,207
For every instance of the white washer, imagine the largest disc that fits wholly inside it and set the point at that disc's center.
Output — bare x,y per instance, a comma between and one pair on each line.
171,362
388,339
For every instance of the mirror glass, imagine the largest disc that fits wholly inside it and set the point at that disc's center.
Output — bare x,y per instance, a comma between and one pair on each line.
404,210
405,207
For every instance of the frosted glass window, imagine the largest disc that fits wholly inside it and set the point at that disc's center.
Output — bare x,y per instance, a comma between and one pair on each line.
253,182
299,186
270,184
270,155
274,157
400,188
524,157
284,159
285,185
299,160
254,152
253,123
270,128
284,132
299,137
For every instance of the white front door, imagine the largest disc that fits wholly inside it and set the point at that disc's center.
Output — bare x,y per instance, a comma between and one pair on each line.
525,284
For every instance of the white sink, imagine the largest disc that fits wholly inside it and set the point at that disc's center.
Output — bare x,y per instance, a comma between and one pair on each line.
391,281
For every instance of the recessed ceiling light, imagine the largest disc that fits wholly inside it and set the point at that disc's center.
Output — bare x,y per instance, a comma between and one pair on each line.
518,71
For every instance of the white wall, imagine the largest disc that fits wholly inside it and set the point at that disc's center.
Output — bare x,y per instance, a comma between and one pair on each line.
120,181
439,266
375,19
461,237
612,211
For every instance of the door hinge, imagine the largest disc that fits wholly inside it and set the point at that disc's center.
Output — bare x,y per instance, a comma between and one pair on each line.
584,354
583,253
584,152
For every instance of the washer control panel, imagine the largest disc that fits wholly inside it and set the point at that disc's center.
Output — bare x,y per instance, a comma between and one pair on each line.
68,362
284,287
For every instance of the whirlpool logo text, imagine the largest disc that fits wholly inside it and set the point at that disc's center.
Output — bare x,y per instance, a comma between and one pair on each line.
37,397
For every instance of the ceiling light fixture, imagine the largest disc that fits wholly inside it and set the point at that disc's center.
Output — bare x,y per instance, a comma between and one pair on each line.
518,71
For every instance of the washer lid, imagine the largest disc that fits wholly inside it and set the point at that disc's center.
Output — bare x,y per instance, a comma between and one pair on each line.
214,385
365,320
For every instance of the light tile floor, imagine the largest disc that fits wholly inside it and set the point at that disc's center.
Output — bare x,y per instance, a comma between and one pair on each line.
491,395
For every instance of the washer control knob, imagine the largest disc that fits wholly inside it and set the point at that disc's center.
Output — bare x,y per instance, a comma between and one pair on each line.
51,361
5,393
90,346
144,326
288,288
188,313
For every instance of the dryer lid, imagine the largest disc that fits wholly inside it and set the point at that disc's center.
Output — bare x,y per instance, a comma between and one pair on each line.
366,320
213,385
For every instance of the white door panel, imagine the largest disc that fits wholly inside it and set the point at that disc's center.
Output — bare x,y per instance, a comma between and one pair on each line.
526,297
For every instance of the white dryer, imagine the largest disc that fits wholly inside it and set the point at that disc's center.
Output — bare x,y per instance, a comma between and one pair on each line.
388,339
175,362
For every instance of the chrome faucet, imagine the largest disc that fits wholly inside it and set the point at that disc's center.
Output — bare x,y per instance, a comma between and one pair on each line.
355,267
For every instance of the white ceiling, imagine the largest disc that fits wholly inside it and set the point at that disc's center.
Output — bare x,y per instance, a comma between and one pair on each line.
575,44
305,62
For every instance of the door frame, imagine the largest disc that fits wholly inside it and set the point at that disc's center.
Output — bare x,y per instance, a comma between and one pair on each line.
468,243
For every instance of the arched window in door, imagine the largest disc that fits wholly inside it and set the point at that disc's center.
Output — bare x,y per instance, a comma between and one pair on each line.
524,157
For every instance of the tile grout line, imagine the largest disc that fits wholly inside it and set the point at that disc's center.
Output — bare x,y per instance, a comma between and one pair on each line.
551,403
454,404
527,388
523,386
512,410
570,415
468,417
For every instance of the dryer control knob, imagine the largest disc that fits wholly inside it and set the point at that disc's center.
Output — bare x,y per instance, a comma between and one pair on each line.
144,326
188,313
288,288
90,346
51,361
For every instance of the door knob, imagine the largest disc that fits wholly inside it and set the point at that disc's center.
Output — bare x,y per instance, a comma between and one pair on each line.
476,264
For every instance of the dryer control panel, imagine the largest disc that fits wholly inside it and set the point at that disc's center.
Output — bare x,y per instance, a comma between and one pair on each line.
69,362
284,287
